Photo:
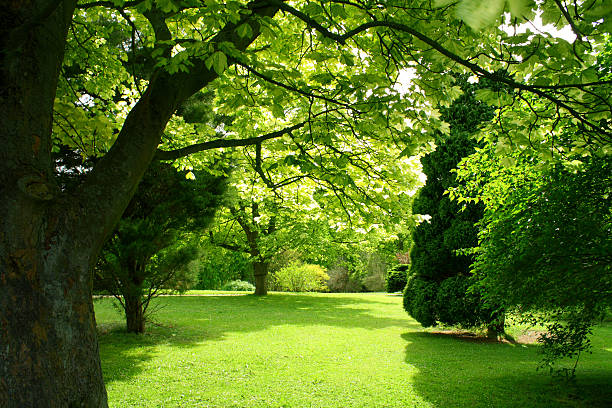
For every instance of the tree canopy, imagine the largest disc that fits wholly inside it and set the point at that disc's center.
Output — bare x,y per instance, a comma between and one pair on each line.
278,201
122,79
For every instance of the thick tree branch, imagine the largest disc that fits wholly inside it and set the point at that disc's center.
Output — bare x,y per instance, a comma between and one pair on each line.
39,17
18,34
140,135
229,247
219,143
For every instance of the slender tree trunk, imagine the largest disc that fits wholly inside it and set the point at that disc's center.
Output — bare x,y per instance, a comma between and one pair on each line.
497,328
134,314
133,297
261,277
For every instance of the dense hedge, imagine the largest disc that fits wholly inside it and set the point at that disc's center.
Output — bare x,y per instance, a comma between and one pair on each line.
396,278
451,302
419,299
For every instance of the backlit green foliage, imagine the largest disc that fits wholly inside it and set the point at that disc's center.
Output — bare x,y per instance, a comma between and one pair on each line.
545,243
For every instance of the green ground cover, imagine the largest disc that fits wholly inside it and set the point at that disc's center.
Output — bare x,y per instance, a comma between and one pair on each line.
325,350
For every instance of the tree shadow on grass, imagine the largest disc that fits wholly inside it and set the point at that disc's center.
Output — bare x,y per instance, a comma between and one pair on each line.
186,321
208,316
464,372
124,354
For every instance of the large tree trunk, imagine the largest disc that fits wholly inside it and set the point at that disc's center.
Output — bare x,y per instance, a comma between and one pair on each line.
261,277
48,346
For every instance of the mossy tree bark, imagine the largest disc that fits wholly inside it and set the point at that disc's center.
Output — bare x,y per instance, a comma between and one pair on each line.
48,345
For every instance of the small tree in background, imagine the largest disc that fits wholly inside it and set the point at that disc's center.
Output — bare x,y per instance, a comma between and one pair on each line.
150,249
439,277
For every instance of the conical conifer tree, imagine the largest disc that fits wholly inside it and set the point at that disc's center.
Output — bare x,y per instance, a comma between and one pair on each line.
439,277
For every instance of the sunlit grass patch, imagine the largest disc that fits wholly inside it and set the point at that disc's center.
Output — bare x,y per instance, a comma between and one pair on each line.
325,350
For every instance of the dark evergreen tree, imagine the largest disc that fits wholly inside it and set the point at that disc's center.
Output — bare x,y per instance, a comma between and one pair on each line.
150,248
438,286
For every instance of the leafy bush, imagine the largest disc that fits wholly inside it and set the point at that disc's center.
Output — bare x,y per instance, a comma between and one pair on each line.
396,278
238,285
301,278
545,245
567,335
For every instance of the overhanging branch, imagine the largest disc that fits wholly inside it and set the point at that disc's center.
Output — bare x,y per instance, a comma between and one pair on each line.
293,89
219,143
109,4
476,69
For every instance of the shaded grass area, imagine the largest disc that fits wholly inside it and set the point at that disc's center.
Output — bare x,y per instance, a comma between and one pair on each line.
325,350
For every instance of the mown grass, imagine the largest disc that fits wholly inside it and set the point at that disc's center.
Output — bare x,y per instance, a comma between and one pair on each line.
325,350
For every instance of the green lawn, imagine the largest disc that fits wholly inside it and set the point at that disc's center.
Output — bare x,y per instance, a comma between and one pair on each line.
325,350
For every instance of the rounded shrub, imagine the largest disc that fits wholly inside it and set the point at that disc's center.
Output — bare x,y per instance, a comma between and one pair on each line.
396,278
301,278
239,285
458,304
419,300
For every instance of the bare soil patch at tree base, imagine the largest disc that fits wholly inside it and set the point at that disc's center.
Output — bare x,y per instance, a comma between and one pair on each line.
528,337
